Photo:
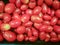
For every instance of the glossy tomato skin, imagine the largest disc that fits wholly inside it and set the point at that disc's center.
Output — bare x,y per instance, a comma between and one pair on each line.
44,8
49,29
40,15
29,32
32,0
40,2
46,22
18,3
36,19
1,15
30,20
24,7
32,5
17,10
16,16
52,13
58,22
6,18
54,40
53,34
28,24
34,32
57,13
2,5
20,30
32,39
59,37
15,23
0,22
57,29
25,1
47,39
9,8
47,17
37,10
56,4
49,11
20,37
37,25
9,36
1,38
25,18
12,1
5,27
43,28
26,38
49,2
42,35
54,20
29,12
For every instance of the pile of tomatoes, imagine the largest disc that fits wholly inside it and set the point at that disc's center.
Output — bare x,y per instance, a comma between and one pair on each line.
30,20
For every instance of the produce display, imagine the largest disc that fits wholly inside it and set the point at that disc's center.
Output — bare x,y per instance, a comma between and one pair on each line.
30,20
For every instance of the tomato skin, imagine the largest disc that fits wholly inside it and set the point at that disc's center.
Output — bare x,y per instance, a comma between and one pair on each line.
6,18
56,4
49,29
9,8
43,28
59,37
28,24
44,8
18,3
46,22
47,17
29,12
24,7
36,19
54,40
25,18
49,2
9,36
29,32
32,39
17,10
58,22
37,25
37,10
5,27
32,5
1,38
12,1
15,23
30,20
20,37
47,38
16,16
2,5
57,13
57,29
53,34
40,2
54,21
20,30
26,38
25,1
34,32
42,35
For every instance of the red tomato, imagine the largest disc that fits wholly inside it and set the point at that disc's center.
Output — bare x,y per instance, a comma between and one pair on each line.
9,36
